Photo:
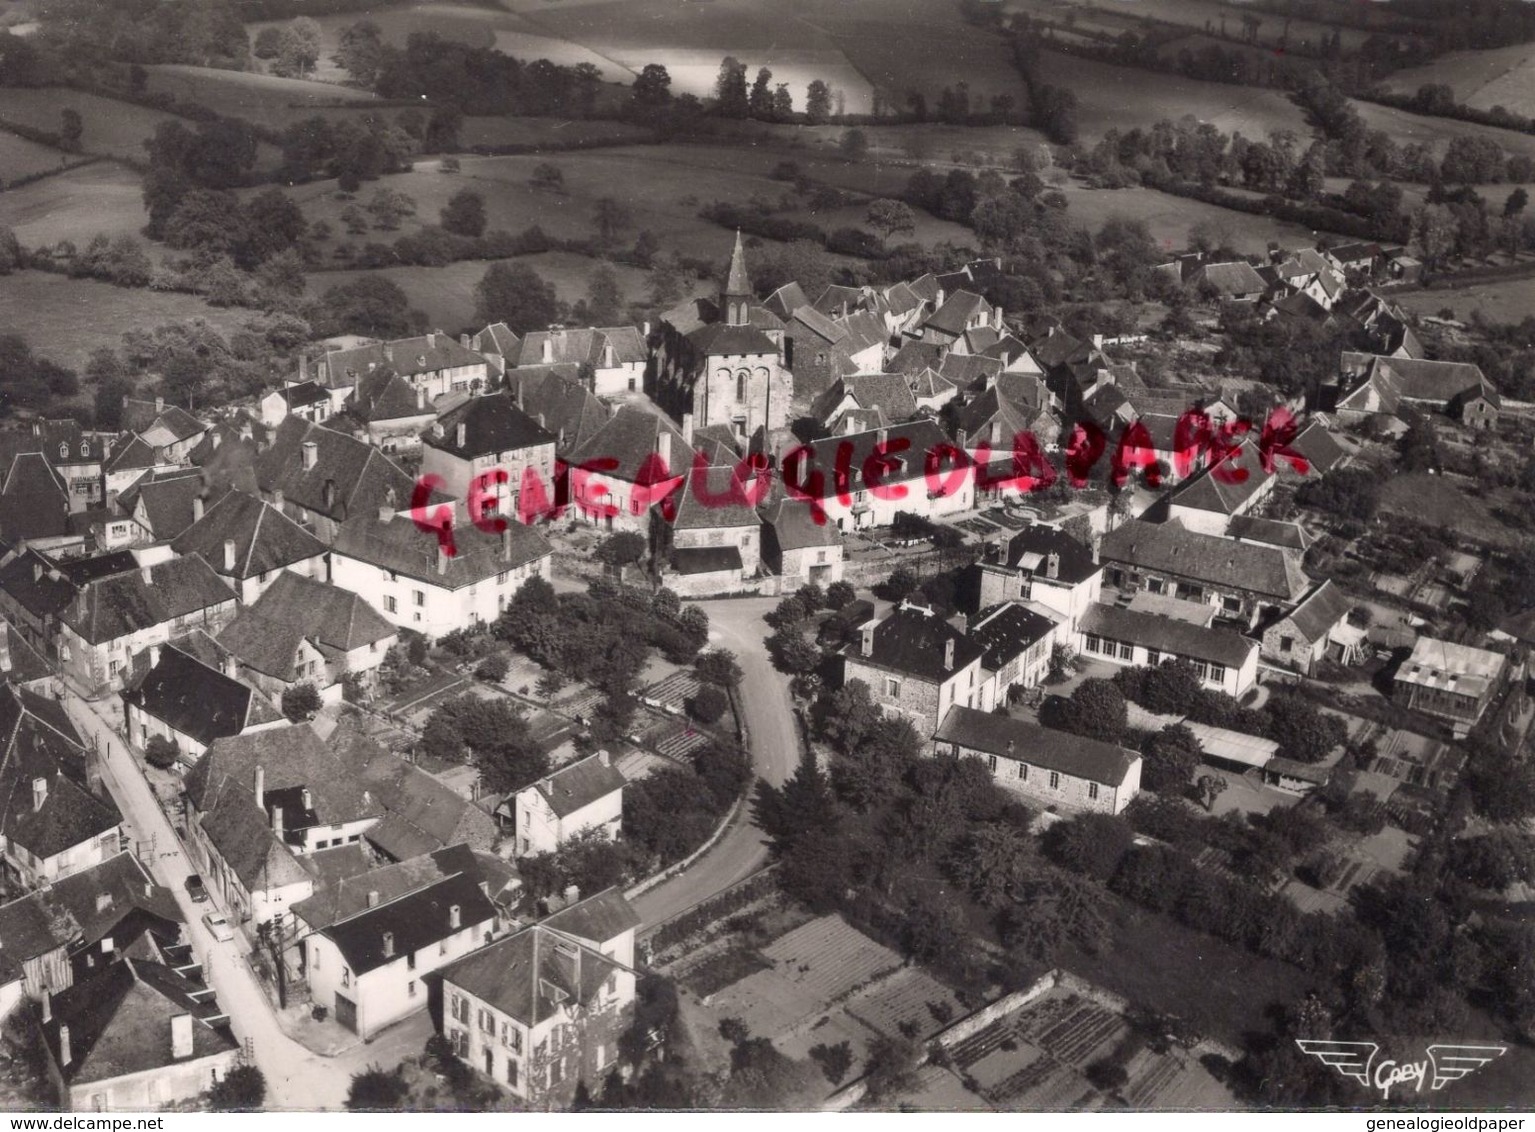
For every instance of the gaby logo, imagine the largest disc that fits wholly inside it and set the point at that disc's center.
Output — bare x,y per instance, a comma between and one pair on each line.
1443,1065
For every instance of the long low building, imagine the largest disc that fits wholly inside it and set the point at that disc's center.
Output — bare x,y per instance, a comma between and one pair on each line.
1225,660
1053,767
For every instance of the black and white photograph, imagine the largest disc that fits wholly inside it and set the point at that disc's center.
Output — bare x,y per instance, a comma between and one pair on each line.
742,556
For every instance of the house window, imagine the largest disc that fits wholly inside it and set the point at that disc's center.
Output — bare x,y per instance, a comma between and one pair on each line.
487,1022
346,976
1286,644
556,1071
511,1037
460,1008
1153,657
501,578
741,386
1092,790
1126,651
511,1073
418,596
1233,604
390,605
1218,673
63,451
410,961
820,556
991,763
1023,772
892,686
410,989
1092,643
1154,585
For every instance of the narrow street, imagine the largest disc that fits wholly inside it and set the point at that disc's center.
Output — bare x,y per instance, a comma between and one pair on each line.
297,1078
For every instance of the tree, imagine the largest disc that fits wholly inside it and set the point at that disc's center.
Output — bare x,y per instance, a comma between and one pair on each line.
783,103
301,702
388,207
887,217
547,177
792,653
161,752
835,1061
268,43
71,129
1090,844
854,145
718,667
603,299
890,1067
464,214
243,1089
760,101
299,49
652,87
730,89
374,306
1304,732
1516,202
849,715
493,668
620,549
360,52
1211,787
610,217
839,594
708,704
375,1089
817,102
1095,709
515,294
1171,757
993,861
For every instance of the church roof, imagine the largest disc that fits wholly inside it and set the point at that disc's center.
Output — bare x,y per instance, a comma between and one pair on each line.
737,282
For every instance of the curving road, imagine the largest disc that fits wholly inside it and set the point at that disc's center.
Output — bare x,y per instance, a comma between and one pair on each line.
768,712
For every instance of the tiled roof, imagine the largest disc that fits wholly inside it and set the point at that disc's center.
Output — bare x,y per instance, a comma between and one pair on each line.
1291,536
531,975
131,451
419,806
913,642
914,357
264,538
195,699
864,329
384,395
1006,737
1207,491
1235,278
1167,634
35,582
413,922
630,437
928,384
85,906
406,356
1319,611
561,406
497,338
958,308
1007,630
967,370
694,515
795,527
168,502
579,785
349,478
597,919
302,394
1031,548
786,300
342,895
38,742
334,618
491,425
398,545
718,339
902,464
270,647
1172,549
160,425
114,607
24,662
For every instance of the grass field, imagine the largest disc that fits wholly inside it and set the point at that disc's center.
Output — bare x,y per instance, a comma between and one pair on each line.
1503,76
1437,132
1510,300
1197,14
20,157
65,319
112,128
263,99
1170,217
104,197
552,132
446,294
1121,98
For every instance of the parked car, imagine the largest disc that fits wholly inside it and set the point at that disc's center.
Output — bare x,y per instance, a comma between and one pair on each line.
196,889
219,926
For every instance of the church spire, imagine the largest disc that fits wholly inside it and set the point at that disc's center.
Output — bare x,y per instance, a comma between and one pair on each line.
737,292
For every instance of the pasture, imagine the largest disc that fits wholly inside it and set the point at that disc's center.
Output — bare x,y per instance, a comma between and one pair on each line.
1500,300
551,133
112,128
1503,76
1436,133
20,157
264,100
101,198
64,319
1207,15
1122,98
1169,217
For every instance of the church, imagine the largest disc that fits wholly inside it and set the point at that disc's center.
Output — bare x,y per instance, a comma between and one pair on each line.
723,362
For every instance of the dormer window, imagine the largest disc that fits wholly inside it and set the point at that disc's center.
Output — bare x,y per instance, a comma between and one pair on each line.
85,448
63,451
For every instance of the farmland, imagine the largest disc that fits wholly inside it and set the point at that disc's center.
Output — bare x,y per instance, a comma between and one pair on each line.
1437,132
1198,14
112,128
22,158
264,100
1122,98
1503,76
100,198
1503,300
65,319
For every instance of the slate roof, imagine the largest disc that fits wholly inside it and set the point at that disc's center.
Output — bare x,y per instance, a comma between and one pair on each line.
530,975
194,699
717,443
795,527
421,814
1415,379
1039,746
721,339
786,300
334,618
264,538
578,785
269,647
361,478
901,298
1319,447
416,921
1235,278
120,1021
598,919
302,394
1031,548
114,607
631,438
1319,611
84,907
1171,548
694,515
1206,491
957,309
864,330
130,453
967,371
561,405
168,502
914,357
35,582
37,741
737,281
902,464
22,663
160,426
1005,631
1167,634
384,395
888,392
406,356
492,425
929,384
342,894
1291,536
913,642
398,545
33,501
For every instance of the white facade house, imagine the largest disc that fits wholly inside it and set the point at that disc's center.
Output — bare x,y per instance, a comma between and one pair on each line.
585,795
1225,660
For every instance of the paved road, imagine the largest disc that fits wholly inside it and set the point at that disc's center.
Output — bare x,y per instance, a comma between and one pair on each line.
738,626
297,1078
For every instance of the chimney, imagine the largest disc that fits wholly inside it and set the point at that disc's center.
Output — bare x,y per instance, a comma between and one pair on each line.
308,799
645,328
303,367
421,397
996,316
388,945
603,758
311,453
385,513
506,543
431,339
607,353
1097,341
231,666
218,438
455,917
197,508
154,656
39,793
959,439
261,787
64,1052
159,404
146,573
866,646
181,1036
849,425
572,893
882,437
462,435
388,351
520,404
277,821
948,655
372,898
442,559
548,349
277,499
229,554
664,446
463,340
47,1005
542,423
687,428
1053,565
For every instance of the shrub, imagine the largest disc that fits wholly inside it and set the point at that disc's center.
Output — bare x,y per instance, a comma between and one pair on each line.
494,668
243,1089
839,594
161,752
300,702
708,704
